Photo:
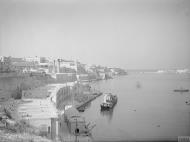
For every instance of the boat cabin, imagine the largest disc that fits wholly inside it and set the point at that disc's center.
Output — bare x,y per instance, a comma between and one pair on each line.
109,98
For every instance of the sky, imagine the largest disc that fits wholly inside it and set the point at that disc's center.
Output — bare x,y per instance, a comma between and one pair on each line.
131,34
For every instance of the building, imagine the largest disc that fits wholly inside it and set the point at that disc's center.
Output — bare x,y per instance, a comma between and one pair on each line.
65,66
5,64
118,71
24,66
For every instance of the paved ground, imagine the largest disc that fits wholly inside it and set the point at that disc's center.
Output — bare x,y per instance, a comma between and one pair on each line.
37,109
38,105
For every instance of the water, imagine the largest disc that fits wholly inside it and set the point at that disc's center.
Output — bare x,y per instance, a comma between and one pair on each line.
147,108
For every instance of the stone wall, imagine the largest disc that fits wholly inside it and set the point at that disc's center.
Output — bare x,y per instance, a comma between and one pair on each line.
64,97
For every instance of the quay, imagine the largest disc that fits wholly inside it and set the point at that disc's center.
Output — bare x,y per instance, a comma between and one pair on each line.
40,109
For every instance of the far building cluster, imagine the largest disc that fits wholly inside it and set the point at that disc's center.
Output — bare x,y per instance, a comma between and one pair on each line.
60,69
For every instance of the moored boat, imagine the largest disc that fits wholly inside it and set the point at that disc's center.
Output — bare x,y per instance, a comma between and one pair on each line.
109,101
181,90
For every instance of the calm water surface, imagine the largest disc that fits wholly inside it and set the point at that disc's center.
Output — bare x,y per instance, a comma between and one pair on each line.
147,108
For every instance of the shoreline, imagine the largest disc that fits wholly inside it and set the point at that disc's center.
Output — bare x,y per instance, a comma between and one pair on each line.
11,105
39,95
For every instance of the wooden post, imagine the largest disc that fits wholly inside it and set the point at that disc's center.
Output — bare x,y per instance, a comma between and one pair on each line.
53,128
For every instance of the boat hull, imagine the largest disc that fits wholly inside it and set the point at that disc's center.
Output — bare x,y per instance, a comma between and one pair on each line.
103,107
108,106
180,90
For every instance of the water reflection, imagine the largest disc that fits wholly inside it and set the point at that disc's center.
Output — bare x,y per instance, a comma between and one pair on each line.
107,113
138,85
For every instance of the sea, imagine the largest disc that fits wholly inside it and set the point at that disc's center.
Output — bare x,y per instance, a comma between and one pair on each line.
148,109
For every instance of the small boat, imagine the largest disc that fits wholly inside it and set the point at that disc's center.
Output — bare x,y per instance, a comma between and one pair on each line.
109,101
188,102
138,85
181,90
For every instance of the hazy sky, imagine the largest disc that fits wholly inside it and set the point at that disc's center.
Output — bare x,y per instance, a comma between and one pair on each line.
124,33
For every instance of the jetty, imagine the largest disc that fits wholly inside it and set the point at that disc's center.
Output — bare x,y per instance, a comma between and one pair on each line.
81,106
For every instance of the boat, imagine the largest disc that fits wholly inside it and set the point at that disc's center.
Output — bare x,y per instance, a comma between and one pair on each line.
109,101
181,90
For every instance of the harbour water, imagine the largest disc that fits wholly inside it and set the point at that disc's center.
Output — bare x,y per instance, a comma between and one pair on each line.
147,108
